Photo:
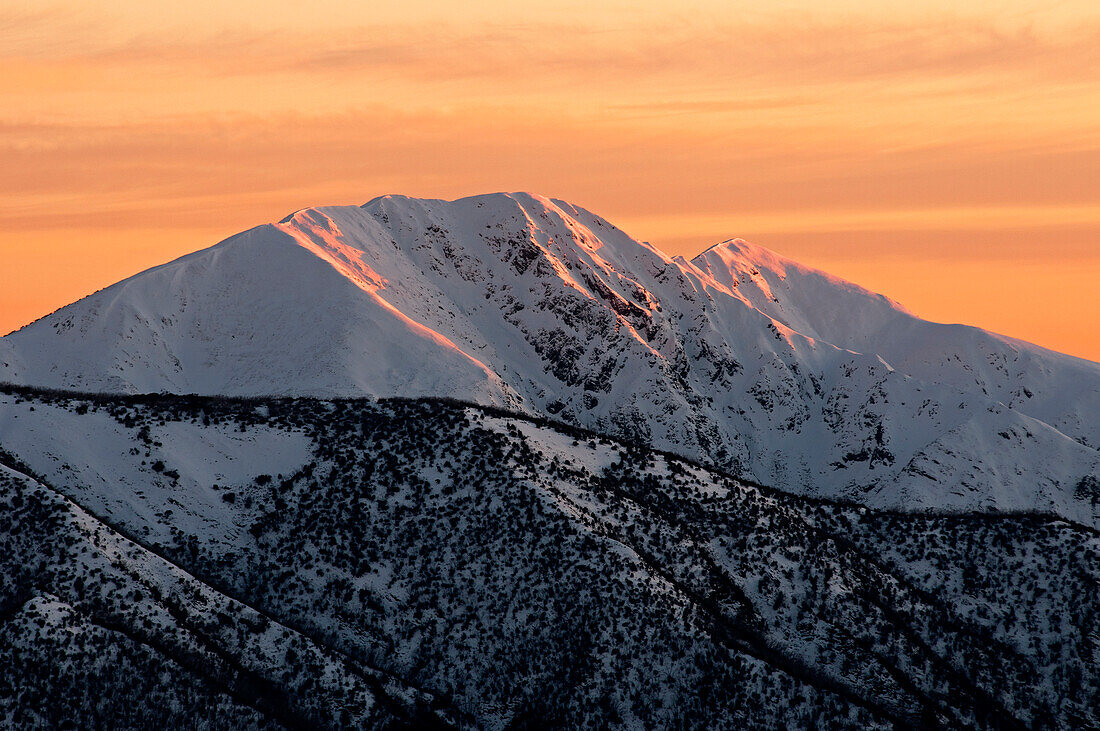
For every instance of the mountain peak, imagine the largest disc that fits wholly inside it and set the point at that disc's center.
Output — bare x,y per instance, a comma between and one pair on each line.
740,256
739,357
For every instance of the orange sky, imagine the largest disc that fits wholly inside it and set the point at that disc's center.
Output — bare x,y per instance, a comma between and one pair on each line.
945,154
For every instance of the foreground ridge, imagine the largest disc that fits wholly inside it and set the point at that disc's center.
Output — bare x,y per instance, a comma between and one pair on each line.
385,562
578,432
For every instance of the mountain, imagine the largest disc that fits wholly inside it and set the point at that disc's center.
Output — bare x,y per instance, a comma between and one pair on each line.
415,563
740,358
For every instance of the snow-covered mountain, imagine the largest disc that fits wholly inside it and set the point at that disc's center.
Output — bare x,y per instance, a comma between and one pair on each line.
172,561
738,357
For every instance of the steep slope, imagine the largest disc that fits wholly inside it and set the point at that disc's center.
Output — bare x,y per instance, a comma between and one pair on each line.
739,358
440,562
1052,387
97,631
258,313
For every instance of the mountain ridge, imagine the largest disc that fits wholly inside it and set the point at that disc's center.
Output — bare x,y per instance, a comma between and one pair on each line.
740,357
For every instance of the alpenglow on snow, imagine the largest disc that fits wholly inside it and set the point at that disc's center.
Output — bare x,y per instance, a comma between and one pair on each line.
739,357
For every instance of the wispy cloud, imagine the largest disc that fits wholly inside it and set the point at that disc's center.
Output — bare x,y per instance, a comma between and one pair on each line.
150,164
793,51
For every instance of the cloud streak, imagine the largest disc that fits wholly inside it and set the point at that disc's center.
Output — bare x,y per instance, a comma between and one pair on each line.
155,162
803,50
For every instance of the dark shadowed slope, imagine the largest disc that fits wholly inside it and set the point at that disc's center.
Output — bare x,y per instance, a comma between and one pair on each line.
301,559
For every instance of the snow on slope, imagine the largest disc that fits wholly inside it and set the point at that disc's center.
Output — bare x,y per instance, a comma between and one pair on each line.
97,452
739,357
99,632
505,573
828,308
258,313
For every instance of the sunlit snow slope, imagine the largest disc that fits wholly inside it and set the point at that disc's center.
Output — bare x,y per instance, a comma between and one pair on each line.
738,357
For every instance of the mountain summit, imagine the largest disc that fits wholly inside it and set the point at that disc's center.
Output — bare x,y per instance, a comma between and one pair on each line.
738,357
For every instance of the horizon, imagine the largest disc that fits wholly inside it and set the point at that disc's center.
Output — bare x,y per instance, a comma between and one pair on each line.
943,158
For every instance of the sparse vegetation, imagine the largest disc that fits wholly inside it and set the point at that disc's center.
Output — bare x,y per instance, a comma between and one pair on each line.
434,562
